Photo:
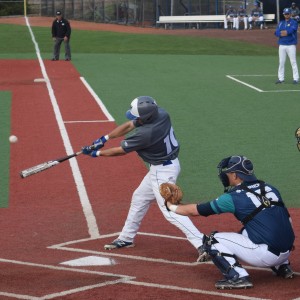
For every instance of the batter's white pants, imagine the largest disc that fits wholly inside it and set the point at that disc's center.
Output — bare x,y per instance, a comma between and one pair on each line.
147,193
248,252
289,50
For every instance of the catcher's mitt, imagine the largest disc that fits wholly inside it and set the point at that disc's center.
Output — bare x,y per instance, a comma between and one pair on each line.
171,193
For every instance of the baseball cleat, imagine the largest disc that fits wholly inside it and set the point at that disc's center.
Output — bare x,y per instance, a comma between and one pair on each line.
118,244
285,271
279,81
295,81
240,283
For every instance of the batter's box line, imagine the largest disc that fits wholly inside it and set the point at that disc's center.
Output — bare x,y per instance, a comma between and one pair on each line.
64,247
254,87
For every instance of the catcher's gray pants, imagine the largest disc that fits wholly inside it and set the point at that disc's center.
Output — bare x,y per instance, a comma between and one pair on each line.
56,50
147,193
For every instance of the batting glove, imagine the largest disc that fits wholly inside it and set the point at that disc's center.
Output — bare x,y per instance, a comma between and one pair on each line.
99,143
86,150
94,153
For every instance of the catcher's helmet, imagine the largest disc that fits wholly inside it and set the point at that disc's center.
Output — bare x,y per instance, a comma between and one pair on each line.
238,164
143,108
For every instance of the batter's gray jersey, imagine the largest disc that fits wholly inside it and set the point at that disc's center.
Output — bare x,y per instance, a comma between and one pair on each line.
154,142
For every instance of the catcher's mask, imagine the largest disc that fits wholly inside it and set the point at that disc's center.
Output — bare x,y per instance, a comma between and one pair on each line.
240,165
143,108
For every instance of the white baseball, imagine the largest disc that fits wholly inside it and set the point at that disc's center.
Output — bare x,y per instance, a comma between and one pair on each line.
13,139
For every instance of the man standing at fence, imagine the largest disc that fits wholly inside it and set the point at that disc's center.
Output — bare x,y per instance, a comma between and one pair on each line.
286,32
61,32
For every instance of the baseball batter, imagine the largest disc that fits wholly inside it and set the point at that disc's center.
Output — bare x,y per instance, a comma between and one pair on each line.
153,138
267,238
286,32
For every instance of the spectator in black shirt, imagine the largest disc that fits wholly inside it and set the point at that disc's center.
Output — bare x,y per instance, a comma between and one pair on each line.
61,32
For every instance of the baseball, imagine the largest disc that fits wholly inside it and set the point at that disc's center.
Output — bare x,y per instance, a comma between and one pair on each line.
13,139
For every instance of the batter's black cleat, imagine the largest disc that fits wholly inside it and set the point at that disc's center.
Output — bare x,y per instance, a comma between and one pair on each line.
116,244
240,283
284,271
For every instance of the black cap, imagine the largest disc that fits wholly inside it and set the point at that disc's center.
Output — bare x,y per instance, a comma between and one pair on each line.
58,13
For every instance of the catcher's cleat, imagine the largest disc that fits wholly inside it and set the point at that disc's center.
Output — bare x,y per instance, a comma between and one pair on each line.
203,255
118,244
240,283
284,271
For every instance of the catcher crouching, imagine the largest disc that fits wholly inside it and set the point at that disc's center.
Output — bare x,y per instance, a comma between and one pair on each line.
267,236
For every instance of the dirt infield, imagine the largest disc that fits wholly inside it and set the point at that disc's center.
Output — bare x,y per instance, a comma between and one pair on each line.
263,37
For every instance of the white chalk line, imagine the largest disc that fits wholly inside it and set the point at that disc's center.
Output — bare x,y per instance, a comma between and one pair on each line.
121,279
232,77
84,200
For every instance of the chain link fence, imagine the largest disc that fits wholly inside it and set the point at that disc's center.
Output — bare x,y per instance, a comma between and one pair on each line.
131,12
135,12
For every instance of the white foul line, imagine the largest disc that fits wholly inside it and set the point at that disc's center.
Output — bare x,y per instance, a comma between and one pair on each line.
244,83
86,205
98,100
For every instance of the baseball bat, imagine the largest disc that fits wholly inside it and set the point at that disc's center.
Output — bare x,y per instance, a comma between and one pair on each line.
49,164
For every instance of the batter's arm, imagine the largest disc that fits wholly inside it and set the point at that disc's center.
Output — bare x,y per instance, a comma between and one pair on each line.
114,151
121,130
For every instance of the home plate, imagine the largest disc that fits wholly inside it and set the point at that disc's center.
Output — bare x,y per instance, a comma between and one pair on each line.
90,261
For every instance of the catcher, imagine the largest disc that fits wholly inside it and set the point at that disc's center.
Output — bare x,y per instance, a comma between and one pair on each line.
267,236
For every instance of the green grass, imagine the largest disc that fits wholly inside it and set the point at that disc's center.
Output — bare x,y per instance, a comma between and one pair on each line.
125,43
213,116
5,108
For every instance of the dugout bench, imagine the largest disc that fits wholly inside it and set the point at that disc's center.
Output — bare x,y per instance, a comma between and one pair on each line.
197,19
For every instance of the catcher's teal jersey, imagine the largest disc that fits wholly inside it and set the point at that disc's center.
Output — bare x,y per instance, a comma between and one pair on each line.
270,226
154,142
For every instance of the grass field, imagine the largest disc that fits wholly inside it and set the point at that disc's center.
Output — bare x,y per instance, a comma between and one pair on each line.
5,110
213,115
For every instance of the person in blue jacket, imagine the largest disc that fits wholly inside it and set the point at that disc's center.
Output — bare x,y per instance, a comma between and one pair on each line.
286,32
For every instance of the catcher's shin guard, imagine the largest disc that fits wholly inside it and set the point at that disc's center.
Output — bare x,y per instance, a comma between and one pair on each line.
218,258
